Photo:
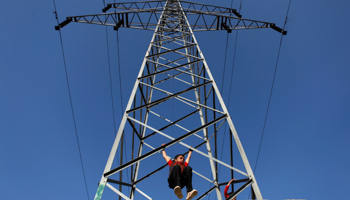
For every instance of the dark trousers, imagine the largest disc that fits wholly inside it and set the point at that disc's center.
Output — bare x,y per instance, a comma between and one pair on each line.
176,178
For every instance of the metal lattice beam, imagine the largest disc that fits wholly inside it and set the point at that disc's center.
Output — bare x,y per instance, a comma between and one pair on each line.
173,57
145,15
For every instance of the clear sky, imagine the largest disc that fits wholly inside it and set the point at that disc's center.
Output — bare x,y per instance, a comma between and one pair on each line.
305,149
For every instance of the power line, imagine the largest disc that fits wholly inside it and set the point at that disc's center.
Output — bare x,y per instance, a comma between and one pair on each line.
233,65
223,73
222,88
234,58
110,82
121,100
273,82
120,88
120,80
71,102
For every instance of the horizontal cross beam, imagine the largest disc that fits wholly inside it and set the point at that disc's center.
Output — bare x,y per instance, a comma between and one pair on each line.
188,7
167,98
216,18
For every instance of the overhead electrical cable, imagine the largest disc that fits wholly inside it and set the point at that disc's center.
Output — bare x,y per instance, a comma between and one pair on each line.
111,84
71,102
229,97
223,73
233,65
272,86
121,100
222,82
120,80
121,93
234,58
273,82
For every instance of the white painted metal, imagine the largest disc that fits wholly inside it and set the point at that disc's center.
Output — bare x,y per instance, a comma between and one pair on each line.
205,133
111,157
117,191
202,176
190,147
186,69
233,130
183,71
176,124
145,195
148,100
183,98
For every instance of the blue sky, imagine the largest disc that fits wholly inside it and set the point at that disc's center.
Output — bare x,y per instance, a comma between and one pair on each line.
305,148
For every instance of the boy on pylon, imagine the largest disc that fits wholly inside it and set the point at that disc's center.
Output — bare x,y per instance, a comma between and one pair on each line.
180,175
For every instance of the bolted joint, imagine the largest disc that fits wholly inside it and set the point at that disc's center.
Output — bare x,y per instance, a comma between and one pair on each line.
107,8
278,29
118,25
227,28
234,11
64,23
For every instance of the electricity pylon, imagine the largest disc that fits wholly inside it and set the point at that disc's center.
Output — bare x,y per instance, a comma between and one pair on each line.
173,59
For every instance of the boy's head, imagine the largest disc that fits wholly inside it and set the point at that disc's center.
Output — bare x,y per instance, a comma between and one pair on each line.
179,158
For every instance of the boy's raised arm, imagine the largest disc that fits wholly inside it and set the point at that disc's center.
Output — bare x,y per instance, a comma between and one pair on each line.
165,156
189,156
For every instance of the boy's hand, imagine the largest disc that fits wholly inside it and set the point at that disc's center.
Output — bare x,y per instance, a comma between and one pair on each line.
190,150
231,181
189,156
163,149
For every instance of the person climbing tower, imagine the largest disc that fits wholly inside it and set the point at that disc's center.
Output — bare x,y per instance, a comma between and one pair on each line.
226,189
180,175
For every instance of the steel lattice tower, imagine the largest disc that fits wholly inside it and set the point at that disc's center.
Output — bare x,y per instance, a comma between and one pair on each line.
173,59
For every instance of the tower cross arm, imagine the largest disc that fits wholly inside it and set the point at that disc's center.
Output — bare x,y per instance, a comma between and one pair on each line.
189,7
142,19
136,5
219,15
147,19
221,21
231,23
